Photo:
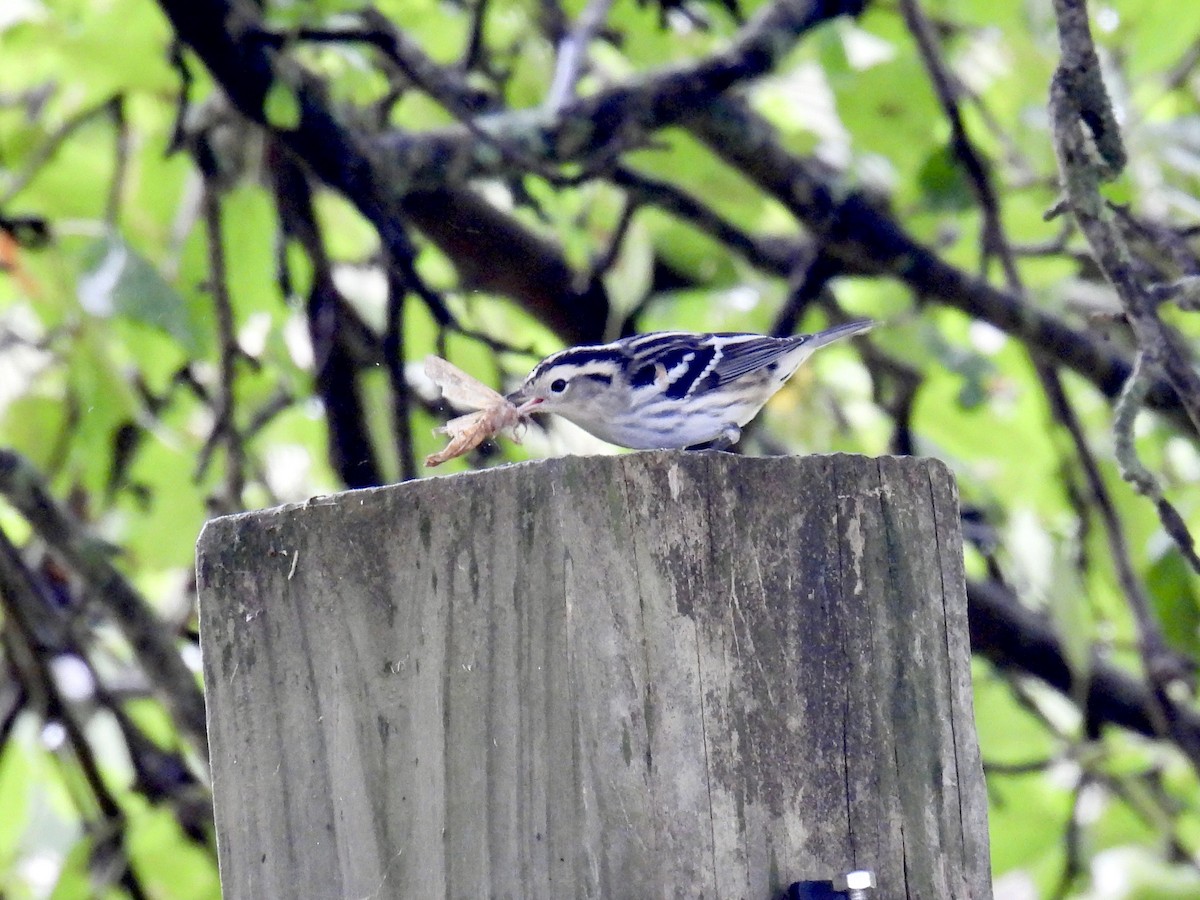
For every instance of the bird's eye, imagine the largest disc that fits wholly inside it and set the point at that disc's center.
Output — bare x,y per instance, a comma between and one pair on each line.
558,385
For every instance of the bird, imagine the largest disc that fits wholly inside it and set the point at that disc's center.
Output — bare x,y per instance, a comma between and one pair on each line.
670,389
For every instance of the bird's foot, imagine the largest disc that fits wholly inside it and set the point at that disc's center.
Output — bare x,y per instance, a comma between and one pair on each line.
725,440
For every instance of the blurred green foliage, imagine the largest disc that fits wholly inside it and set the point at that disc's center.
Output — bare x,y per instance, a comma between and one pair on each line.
97,324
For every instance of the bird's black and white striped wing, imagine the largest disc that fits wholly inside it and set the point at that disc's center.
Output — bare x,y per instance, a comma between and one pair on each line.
687,363
679,362
741,354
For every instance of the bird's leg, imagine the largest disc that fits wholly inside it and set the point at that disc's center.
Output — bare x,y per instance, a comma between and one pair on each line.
726,439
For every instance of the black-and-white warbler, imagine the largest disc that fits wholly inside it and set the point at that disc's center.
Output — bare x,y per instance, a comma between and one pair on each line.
670,389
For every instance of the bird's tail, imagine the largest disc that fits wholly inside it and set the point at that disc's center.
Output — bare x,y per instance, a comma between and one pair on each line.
836,333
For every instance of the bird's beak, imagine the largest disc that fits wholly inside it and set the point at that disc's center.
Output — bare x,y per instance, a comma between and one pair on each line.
524,403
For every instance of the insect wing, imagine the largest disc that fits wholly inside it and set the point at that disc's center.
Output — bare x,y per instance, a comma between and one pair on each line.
493,412
458,387
469,431
466,433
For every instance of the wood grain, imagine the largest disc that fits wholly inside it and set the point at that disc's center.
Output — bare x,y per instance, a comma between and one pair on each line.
651,675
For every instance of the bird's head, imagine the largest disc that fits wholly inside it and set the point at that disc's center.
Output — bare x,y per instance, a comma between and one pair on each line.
576,383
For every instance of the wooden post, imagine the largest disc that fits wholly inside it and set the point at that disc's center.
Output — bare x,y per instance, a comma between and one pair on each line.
652,675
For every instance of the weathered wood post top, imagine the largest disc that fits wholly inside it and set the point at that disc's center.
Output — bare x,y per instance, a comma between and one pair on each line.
662,674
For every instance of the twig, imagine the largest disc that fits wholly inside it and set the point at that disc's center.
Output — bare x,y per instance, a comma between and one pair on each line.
868,241
608,256
586,131
1135,472
224,429
1016,638
1184,293
21,484
571,52
809,281
947,89
275,404
1032,767
777,255
1165,240
473,54
496,253
894,384
178,61
1156,816
865,239
498,345
351,452
46,634
116,188
109,108
393,355
462,100
1163,667
1125,411
1072,861
1078,100
1178,75
446,85
13,695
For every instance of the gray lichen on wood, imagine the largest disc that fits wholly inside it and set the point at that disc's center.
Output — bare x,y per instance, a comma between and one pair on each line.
651,675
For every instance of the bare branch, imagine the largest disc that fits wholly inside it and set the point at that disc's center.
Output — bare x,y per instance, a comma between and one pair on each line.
590,131
90,559
1135,472
868,241
1079,101
224,429
1015,637
571,52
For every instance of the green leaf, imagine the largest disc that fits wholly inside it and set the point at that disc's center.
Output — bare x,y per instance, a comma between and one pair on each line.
73,878
281,106
1070,610
166,861
117,280
943,182
16,786
1174,597
629,278
154,721
299,268
33,426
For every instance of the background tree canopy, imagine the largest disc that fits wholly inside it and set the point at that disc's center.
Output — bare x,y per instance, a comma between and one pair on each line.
230,232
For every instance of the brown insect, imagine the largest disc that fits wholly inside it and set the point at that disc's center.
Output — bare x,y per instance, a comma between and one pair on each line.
493,412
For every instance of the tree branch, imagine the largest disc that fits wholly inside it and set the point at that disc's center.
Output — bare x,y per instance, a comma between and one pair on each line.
21,484
1078,100
592,130
351,452
492,251
869,242
1015,637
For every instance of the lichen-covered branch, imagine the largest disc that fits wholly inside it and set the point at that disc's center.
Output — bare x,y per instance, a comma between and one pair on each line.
1079,110
868,241
492,250
1089,150
594,130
